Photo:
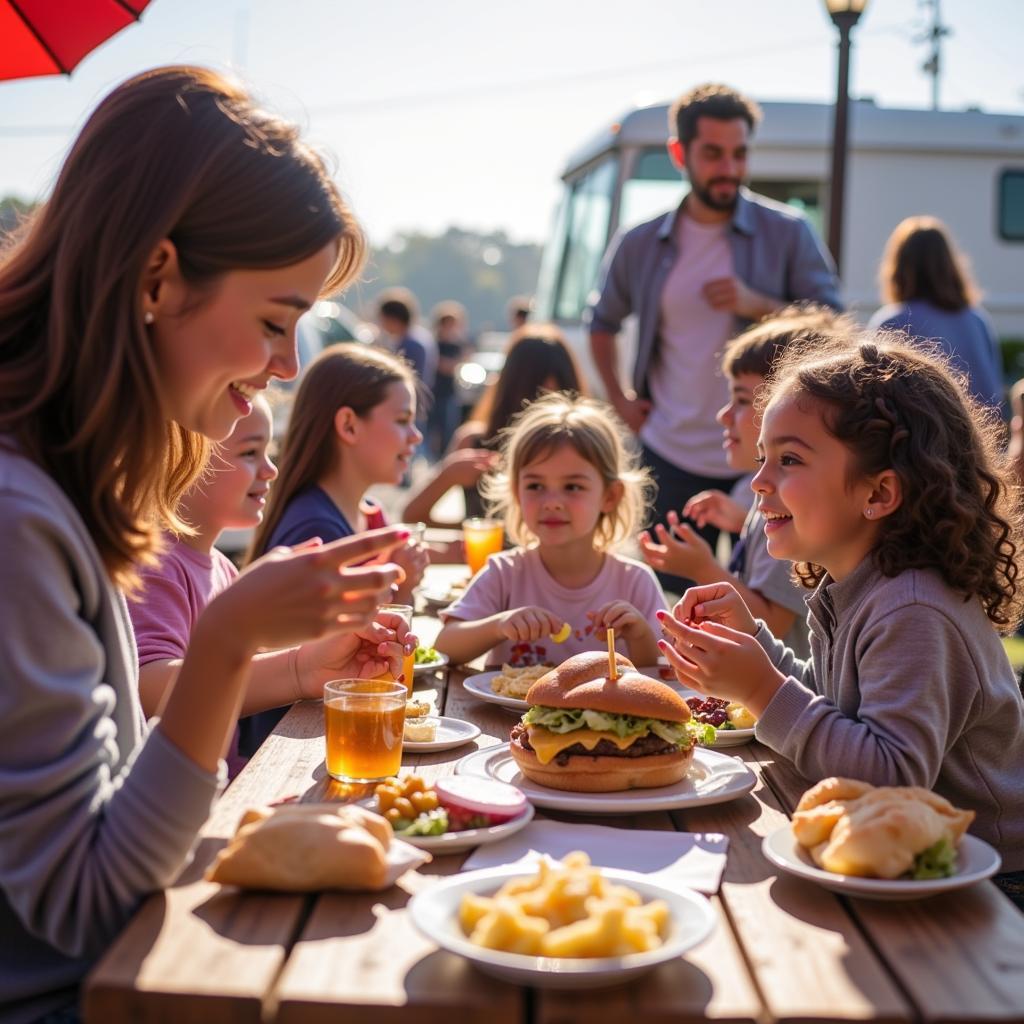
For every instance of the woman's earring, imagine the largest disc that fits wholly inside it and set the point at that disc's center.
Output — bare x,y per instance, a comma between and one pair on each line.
869,512
148,317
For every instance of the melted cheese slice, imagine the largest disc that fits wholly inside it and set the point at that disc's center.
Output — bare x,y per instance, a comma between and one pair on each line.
547,744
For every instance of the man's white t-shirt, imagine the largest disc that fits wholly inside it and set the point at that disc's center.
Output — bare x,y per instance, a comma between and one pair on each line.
686,382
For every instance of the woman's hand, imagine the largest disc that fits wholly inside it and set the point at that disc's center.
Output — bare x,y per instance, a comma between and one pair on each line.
621,616
529,623
683,552
723,662
717,509
364,654
290,596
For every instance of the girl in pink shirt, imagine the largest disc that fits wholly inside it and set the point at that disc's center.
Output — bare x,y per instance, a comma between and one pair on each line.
570,490
191,572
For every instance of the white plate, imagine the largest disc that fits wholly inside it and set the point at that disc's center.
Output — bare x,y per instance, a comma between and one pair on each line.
732,738
456,842
713,779
480,686
426,667
440,597
434,911
451,732
976,860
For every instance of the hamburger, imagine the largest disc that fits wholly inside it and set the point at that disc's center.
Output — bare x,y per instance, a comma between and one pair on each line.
588,733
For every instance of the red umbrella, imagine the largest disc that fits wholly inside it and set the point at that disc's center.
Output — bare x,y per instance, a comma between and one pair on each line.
50,37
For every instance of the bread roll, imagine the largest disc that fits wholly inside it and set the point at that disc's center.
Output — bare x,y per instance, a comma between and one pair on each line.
304,848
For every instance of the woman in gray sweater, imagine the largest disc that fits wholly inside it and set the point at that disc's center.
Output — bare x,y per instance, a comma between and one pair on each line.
881,480
141,310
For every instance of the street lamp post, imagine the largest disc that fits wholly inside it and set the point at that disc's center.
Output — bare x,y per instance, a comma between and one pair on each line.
844,15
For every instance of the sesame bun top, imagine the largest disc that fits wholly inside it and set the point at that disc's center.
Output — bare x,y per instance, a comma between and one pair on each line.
582,682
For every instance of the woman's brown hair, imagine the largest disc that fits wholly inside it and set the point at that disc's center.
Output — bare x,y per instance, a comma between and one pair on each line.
347,374
921,262
179,153
895,406
535,354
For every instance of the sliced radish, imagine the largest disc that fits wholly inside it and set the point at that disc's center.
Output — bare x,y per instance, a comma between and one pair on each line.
470,796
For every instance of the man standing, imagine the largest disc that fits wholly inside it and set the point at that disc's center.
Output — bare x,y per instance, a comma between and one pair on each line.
695,277
397,311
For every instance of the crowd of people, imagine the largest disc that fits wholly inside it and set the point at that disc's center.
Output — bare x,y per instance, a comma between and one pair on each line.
877,528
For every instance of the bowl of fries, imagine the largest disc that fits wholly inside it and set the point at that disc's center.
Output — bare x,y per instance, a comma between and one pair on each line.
561,924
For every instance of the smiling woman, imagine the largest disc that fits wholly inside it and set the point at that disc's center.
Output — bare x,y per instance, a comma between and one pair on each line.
141,311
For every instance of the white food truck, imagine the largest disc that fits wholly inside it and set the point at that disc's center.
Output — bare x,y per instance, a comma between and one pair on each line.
965,167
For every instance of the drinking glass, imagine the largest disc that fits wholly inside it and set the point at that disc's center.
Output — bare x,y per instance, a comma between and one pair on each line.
482,538
364,720
408,660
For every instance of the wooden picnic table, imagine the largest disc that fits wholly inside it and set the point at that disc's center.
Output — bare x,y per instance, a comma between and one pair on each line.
784,949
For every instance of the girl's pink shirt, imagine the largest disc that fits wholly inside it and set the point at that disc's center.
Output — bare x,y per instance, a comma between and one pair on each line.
518,578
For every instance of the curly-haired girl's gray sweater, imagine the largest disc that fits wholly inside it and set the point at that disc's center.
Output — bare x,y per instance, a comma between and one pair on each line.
907,684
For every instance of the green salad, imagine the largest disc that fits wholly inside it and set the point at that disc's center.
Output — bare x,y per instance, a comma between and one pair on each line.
426,655
427,823
938,861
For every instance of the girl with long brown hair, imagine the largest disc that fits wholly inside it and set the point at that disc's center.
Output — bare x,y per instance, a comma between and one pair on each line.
142,309
352,425
883,481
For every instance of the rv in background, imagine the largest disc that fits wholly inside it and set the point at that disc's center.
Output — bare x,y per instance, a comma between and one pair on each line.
965,167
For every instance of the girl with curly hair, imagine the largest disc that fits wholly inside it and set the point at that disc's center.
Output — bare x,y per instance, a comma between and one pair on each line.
570,491
880,478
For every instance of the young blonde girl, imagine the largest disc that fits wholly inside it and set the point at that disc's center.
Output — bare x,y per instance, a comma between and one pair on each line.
143,307
352,425
570,490
880,477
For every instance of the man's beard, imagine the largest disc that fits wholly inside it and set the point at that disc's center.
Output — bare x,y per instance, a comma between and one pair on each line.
705,195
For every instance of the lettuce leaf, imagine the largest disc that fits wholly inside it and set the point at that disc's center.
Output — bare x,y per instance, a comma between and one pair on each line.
428,823
938,861
564,720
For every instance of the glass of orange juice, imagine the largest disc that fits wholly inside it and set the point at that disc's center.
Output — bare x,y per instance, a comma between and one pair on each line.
482,538
364,723
408,660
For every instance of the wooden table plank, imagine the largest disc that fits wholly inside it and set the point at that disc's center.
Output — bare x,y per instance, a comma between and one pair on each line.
809,958
947,979
361,951
199,952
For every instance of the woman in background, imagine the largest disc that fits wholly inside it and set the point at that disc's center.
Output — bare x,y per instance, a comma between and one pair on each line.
537,360
929,294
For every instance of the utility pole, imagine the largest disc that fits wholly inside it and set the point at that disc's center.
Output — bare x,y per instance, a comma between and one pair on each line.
934,35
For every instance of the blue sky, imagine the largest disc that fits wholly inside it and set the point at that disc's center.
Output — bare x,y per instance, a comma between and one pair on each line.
458,112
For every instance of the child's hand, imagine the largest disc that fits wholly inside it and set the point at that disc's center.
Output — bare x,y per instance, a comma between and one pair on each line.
529,623
289,596
464,466
716,602
717,509
681,553
722,662
623,618
367,653
413,557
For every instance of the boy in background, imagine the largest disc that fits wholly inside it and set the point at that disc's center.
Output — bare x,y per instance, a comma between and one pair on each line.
766,585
